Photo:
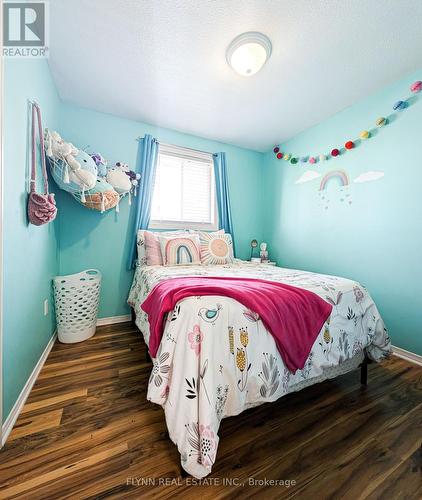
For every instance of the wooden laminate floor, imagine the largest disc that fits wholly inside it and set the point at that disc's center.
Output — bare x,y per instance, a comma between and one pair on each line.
87,431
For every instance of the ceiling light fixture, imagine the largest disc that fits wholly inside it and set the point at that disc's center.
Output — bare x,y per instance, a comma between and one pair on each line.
248,52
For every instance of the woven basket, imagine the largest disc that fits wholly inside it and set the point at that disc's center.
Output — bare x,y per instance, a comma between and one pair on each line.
76,299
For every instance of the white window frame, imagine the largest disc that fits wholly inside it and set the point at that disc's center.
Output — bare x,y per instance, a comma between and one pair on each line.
187,153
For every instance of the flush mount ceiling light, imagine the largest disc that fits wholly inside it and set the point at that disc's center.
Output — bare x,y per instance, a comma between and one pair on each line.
248,52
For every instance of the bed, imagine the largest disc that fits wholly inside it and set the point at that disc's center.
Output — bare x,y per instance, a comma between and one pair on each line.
216,358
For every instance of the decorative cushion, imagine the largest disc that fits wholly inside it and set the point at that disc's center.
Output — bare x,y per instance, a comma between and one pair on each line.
149,251
180,249
216,248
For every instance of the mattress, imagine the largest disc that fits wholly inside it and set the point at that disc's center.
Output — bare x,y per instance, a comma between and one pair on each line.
216,358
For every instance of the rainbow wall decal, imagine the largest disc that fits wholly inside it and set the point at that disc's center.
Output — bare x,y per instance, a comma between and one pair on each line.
340,175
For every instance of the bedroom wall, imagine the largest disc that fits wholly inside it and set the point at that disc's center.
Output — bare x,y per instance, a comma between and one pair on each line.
89,239
376,239
30,252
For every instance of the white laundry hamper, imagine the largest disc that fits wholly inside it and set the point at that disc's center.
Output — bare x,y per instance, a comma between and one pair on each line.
76,298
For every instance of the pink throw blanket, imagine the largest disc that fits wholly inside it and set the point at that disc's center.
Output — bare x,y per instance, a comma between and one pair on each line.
293,316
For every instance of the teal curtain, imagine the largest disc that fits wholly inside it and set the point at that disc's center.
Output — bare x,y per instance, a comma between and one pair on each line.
147,166
222,192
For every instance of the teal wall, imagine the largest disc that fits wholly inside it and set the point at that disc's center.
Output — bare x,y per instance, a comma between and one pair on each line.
30,253
81,238
376,240
90,239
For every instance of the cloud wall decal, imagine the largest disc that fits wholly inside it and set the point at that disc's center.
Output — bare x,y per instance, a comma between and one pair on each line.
369,176
309,175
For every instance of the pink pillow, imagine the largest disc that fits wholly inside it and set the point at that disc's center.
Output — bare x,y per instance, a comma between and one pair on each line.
152,249
152,246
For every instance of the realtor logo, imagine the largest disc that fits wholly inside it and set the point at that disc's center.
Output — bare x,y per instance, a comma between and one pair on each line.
24,29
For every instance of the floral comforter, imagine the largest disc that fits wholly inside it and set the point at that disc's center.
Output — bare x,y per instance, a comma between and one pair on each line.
216,358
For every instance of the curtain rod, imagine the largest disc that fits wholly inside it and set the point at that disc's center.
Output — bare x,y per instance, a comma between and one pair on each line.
182,147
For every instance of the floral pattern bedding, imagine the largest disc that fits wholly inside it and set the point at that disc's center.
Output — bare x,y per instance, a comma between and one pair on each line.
216,358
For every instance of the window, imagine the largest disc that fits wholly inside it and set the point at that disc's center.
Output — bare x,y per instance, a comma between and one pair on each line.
184,190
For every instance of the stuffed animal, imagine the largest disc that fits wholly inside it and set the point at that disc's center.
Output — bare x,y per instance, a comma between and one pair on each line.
118,179
101,197
101,164
72,169
133,176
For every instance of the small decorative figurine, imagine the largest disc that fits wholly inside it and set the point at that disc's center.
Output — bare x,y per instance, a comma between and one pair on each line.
264,252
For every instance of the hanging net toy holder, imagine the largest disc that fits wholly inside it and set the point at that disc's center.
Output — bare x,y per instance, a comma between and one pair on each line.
75,171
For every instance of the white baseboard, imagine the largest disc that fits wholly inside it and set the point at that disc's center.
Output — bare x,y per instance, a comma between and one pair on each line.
23,396
408,356
113,320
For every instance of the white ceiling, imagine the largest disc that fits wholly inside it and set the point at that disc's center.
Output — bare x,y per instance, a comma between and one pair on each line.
163,61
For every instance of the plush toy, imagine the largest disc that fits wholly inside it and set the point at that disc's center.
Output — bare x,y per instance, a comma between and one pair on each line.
101,164
101,197
133,176
123,180
72,169
119,180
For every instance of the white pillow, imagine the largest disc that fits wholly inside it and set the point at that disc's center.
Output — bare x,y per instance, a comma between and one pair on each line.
141,243
216,248
180,250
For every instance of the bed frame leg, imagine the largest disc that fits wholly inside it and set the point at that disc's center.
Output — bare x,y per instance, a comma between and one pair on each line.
364,372
147,356
183,473
133,317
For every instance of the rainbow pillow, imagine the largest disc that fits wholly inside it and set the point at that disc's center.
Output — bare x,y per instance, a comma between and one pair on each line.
216,248
180,250
149,251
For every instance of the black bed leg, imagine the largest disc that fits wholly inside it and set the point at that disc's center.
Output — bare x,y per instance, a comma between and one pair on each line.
364,372
183,473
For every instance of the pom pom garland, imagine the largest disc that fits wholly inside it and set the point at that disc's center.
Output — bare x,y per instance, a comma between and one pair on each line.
416,87
350,144
400,105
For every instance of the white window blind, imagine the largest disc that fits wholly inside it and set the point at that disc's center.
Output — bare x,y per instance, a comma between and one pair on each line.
184,190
